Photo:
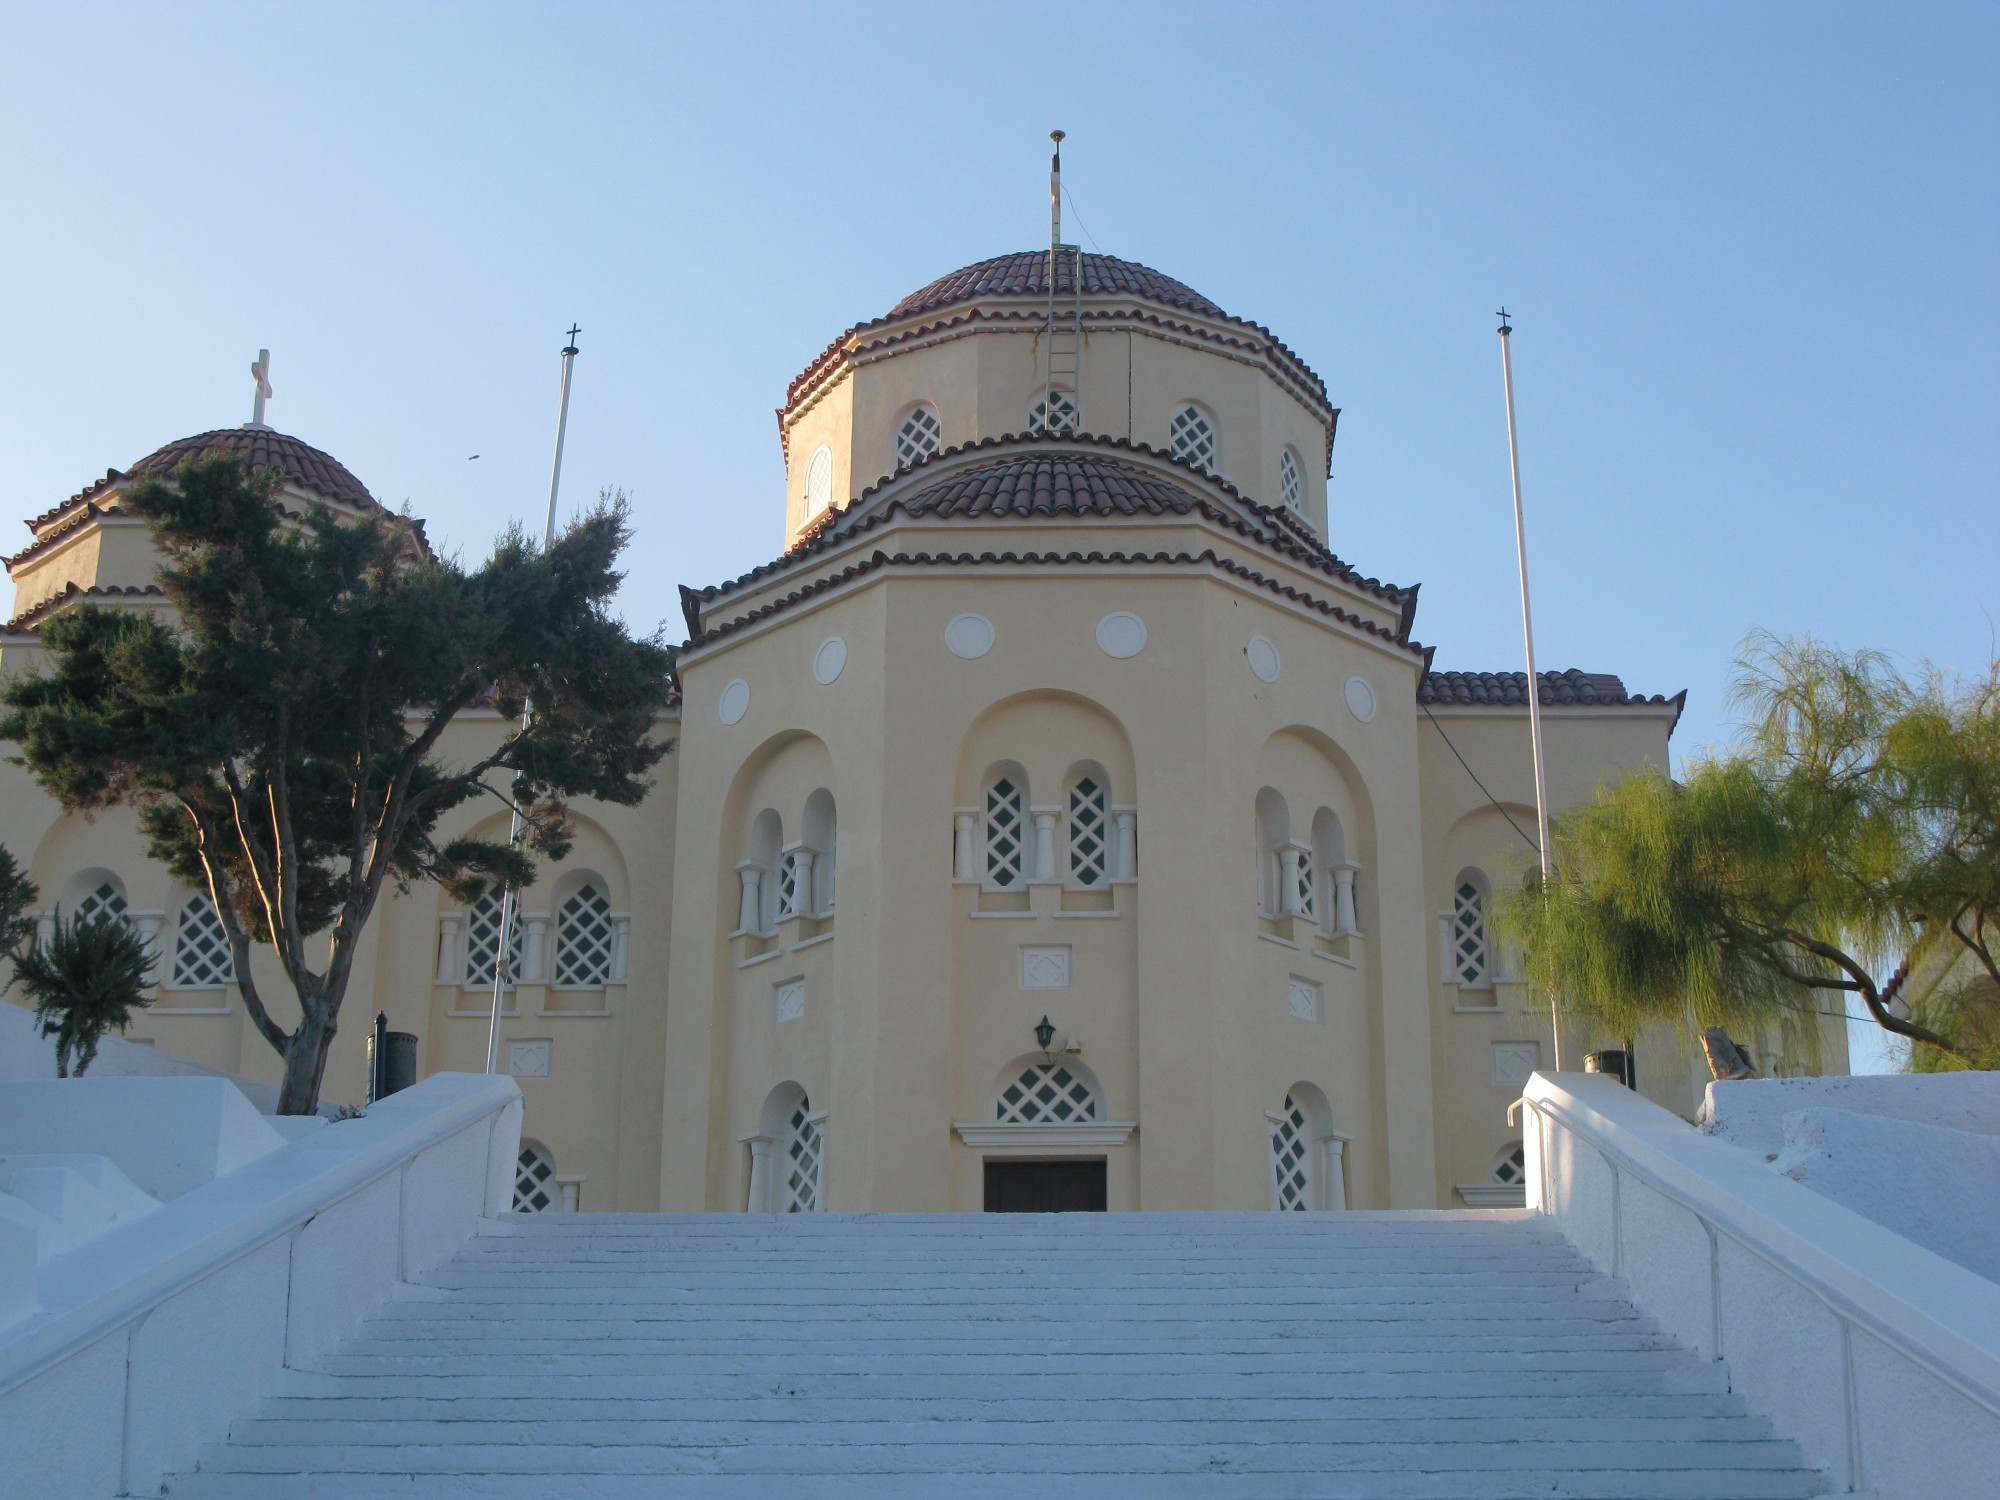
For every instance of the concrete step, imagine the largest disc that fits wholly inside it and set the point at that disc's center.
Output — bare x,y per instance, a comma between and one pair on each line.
1335,1357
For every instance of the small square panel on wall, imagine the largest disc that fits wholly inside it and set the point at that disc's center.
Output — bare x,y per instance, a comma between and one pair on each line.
1305,997
788,1000
1514,1061
1045,968
530,1059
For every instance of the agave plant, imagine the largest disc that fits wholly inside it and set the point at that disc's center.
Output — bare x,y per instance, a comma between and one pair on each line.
86,978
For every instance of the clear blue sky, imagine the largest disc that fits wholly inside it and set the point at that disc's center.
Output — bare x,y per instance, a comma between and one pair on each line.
1750,250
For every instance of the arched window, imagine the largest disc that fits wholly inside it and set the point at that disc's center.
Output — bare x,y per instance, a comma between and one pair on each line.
1471,955
1510,1165
1006,829
585,937
1039,1093
1335,895
101,901
819,480
1274,836
1191,436
758,872
482,941
201,948
1291,488
1308,1156
1090,828
917,438
804,1145
821,834
1056,414
536,1190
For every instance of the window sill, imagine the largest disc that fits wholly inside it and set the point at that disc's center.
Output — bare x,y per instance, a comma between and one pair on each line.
812,942
1493,1194
507,1013
161,1008
568,1015
1002,916
759,958
1086,916
1272,937
1334,958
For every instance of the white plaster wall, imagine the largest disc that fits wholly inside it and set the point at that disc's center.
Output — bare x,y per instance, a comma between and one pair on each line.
148,1340
1879,1357
1751,1112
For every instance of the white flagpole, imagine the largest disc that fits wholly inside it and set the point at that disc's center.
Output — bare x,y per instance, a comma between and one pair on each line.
1528,631
508,895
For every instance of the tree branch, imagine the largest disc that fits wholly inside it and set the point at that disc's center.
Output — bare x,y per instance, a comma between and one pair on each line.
239,940
1870,996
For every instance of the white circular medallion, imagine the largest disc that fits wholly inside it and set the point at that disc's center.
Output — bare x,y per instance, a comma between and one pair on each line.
1360,699
1263,657
734,702
969,636
829,659
1121,634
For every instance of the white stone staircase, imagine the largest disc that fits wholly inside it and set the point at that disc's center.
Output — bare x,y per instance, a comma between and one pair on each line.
588,1356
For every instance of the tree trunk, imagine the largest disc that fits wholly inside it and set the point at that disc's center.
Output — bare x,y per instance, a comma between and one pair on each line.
305,1061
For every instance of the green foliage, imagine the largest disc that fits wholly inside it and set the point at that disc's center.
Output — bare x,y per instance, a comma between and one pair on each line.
280,738
17,905
1853,828
86,979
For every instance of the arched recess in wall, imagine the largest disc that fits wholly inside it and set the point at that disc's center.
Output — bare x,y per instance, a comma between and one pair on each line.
787,1171
1048,742
1308,1153
585,947
765,814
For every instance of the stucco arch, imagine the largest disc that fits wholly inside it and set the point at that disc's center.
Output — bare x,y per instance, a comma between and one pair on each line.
1046,732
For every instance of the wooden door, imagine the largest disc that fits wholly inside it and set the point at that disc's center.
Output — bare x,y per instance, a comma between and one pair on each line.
1044,1187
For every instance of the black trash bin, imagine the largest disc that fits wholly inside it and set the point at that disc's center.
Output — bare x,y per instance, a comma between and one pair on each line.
1617,1061
392,1060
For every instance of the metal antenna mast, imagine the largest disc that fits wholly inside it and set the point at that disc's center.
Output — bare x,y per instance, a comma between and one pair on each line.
1528,632
509,897
1063,348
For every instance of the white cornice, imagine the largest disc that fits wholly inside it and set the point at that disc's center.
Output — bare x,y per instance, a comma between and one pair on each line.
992,1133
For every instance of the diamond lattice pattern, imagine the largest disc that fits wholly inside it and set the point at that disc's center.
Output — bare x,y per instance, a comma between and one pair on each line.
804,1139
482,942
1057,413
201,948
1193,437
1288,479
1289,1146
1046,1093
535,1189
1511,1170
1468,933
819,481
917,438
792,894
105,904
583,940
1087,862
1305,879
1003,833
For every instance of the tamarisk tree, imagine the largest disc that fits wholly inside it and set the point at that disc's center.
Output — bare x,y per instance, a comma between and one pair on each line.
280,733
1851,839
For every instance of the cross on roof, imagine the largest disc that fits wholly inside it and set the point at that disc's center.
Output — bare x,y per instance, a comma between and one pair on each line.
260,373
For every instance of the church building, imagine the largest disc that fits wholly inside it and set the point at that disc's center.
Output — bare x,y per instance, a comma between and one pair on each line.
1054,820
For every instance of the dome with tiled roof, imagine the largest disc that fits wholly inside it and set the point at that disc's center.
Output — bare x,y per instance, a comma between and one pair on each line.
1025,273
261,448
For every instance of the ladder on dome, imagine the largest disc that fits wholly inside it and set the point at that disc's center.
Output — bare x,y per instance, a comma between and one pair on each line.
1063,339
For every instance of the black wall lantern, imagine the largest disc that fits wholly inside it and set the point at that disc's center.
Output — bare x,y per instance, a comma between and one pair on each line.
1045,1033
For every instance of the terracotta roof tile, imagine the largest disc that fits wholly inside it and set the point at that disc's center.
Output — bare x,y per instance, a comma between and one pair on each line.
1051,484
1566,689
1025,273
28,619
261,448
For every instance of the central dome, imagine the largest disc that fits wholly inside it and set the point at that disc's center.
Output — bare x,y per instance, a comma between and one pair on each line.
261,448
1025,273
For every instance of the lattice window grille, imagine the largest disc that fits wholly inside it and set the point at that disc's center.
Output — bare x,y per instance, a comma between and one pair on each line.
535,1188
201,948
482,942
819,481
917,439
584,934
1192,437
805,1140
1087,819
105,904
1305,883
1468,933
794,895
1004,829
1046,1093
1289,486
1511,1170
1057,414
1291,1155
